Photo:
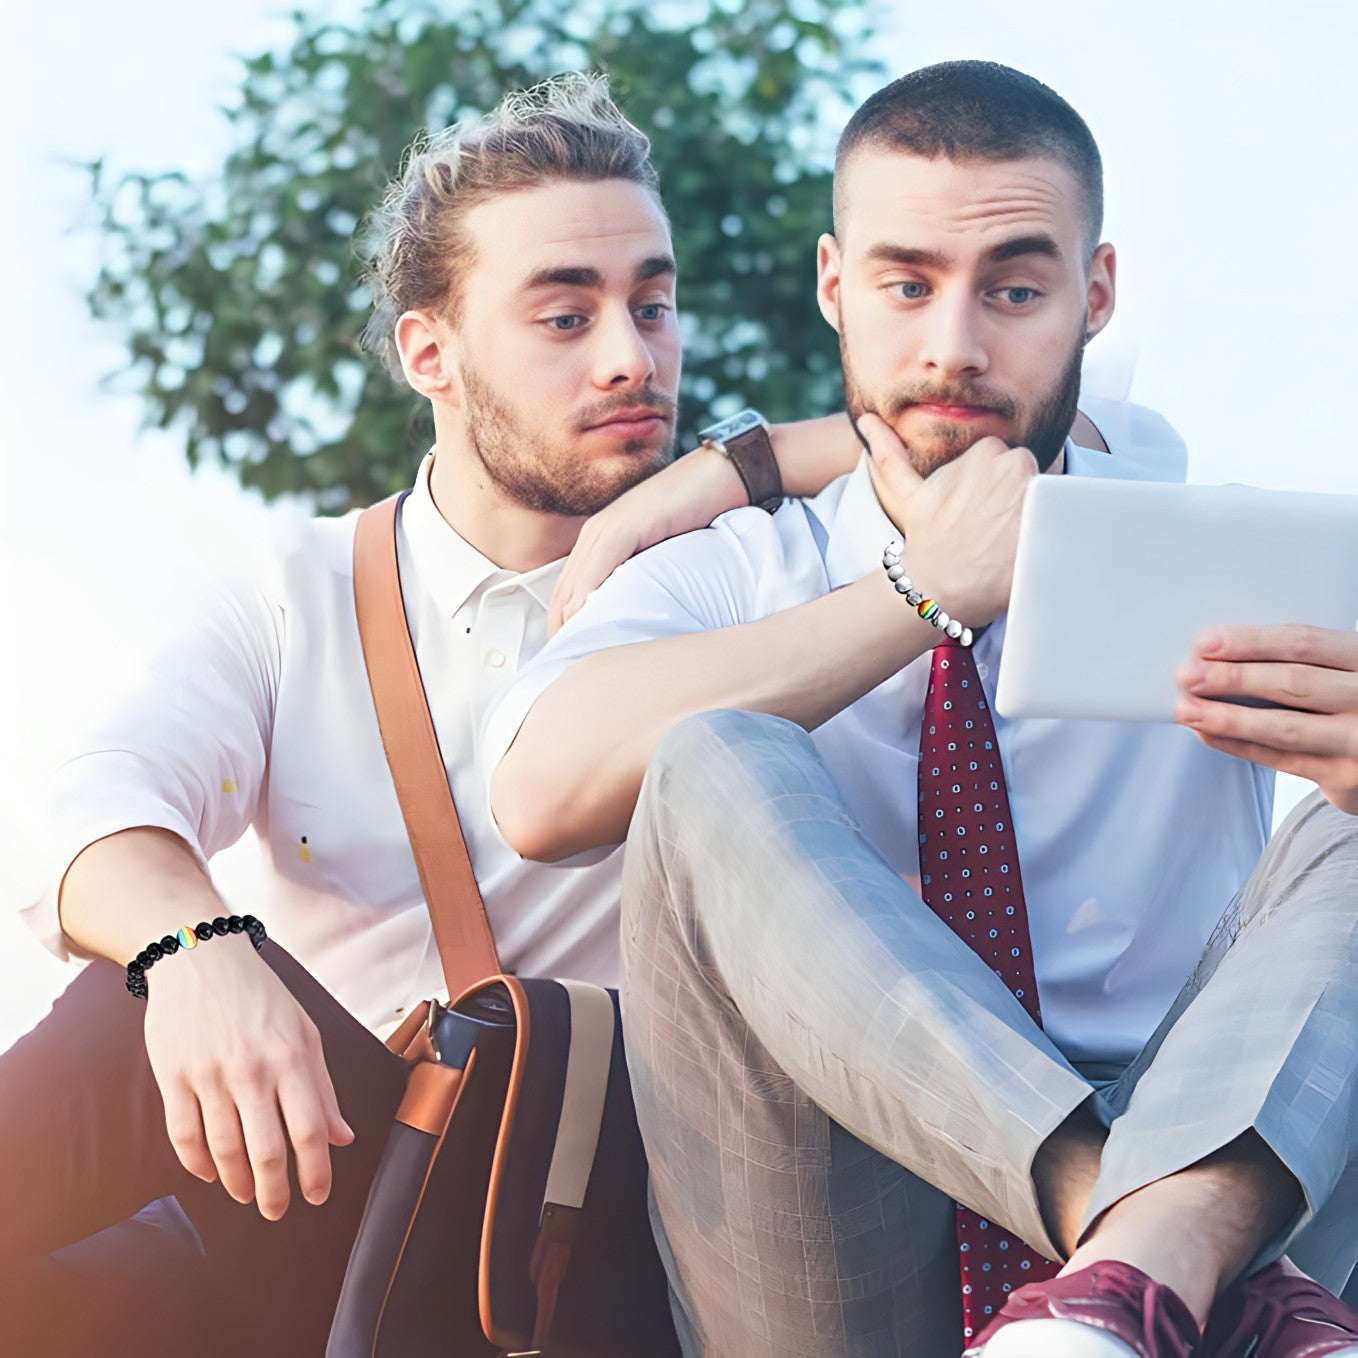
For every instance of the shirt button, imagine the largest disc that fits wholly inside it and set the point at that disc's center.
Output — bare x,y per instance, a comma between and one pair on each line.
495,659
983,671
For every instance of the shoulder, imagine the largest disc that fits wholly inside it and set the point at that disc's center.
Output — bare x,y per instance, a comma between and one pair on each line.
291,565
1141,442
764,538
322,544
746,541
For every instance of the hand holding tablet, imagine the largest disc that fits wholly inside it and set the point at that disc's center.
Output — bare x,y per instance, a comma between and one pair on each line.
1114,581
1308,675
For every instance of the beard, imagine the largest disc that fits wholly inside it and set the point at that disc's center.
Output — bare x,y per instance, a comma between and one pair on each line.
1041,427
551,475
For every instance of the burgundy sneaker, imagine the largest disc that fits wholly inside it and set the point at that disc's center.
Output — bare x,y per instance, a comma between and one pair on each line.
1276,1314
1109,1296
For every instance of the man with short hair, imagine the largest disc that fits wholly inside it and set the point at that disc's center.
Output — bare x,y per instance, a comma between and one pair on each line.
923,953
525,284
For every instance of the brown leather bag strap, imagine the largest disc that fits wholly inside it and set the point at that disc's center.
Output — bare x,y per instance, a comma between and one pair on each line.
461,928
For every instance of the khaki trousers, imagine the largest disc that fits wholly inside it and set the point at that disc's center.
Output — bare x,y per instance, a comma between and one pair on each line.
821,1065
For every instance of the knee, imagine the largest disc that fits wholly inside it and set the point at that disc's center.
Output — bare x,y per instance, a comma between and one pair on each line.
1310,863
711,749
708,781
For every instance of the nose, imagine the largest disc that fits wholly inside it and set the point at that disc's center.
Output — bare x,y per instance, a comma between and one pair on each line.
623,357
953,344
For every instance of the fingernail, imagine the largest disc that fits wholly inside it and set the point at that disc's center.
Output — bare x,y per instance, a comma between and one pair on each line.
1187,713
1209,643
1192,673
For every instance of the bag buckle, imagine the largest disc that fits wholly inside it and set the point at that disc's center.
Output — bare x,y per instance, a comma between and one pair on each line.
436,1012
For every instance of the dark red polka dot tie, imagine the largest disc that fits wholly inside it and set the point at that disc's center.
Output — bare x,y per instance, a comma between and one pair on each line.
969,868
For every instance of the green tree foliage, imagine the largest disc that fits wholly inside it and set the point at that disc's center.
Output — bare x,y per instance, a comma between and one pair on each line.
238,297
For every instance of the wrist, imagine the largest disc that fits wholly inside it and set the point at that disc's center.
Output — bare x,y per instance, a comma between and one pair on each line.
901,630
723,488
928,592
925,605
220,931
744,441
810,454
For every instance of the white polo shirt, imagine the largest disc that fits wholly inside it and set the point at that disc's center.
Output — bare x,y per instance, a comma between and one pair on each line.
1132,838
261,715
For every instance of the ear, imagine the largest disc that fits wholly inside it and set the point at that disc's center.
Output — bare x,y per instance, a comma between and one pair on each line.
1101,293
427,357
827,279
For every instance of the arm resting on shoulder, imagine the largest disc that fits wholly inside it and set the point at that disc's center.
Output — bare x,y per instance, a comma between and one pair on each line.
697,489
812,453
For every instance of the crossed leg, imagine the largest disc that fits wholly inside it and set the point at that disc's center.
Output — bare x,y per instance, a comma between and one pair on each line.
781,981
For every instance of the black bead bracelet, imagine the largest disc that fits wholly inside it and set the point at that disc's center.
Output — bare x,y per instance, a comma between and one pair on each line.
189,937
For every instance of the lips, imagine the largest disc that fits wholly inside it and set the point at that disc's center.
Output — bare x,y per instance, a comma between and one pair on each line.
636,423
941,410
631,415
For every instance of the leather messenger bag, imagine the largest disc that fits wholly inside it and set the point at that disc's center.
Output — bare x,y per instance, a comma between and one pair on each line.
508,1213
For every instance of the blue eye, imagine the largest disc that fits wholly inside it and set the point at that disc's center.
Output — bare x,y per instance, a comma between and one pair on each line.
563,324
912,291
1019,296
652,311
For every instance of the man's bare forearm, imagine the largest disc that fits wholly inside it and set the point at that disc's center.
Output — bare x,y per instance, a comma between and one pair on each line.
570,780
131,887
812,453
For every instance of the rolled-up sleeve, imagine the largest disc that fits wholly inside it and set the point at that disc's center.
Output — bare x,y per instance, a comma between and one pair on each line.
185,751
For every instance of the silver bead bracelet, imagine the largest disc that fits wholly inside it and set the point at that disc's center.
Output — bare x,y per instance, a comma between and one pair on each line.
928,609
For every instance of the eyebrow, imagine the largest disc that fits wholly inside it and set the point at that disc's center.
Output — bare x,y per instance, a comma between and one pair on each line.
657,266
1039,244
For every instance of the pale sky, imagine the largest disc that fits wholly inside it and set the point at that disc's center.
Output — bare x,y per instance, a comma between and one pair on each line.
1229,146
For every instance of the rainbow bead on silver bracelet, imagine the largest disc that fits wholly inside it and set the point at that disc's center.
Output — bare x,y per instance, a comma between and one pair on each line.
928,609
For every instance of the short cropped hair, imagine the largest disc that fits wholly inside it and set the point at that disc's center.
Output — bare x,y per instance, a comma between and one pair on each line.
977,110
418,250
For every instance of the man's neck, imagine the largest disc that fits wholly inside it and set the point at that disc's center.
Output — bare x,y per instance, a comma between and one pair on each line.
478,510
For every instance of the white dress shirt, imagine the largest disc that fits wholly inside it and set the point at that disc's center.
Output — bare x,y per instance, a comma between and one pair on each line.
261,715
1132,838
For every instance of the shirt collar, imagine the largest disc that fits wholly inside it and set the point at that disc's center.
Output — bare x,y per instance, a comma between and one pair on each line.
448,567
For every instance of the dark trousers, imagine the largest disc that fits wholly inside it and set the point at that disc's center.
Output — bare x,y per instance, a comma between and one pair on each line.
83,1149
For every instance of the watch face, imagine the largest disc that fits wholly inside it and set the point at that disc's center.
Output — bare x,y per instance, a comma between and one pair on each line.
734,427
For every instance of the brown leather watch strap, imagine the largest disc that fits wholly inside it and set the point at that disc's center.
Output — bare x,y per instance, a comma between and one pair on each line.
751,454
461,928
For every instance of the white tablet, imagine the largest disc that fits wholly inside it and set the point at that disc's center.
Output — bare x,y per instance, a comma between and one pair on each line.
1114,579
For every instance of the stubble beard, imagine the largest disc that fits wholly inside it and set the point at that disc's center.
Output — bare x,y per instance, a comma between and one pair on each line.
551,477
1043,432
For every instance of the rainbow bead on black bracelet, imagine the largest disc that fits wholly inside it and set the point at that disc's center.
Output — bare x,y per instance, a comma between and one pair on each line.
928,609
189,936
